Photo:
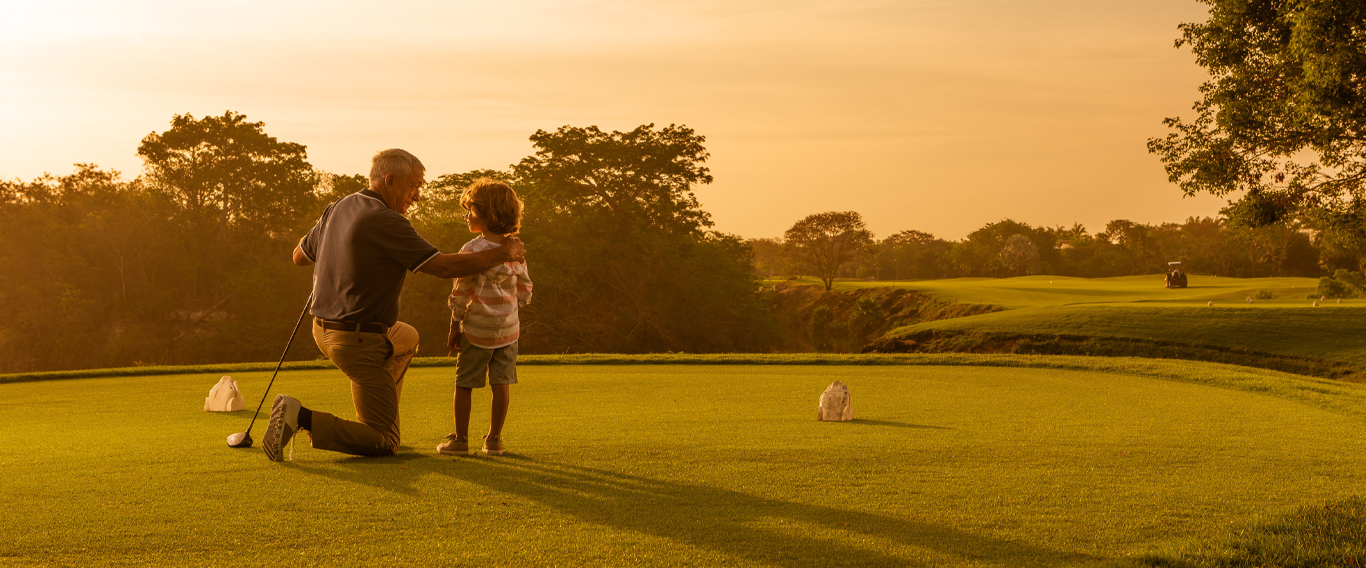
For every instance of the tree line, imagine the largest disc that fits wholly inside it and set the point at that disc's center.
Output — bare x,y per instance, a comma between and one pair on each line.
188,262
839,245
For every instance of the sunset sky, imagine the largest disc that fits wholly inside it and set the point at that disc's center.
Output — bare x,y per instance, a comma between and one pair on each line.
934,115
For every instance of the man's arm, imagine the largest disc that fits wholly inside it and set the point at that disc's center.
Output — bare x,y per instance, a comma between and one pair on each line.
461,264
300,258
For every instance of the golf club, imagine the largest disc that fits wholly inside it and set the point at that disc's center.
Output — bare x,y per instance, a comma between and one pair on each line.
243,439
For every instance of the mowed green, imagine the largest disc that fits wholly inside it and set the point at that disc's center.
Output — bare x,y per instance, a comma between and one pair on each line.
1333,334
1063,460
1044,291
1138,307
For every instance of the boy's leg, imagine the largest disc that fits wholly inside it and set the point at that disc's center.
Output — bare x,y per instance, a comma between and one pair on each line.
502,375
463,401
501,396
471,371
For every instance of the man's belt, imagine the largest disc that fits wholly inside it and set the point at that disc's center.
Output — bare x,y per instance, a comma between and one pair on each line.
350,326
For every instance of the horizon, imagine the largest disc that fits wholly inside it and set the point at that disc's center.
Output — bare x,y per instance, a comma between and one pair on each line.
933,116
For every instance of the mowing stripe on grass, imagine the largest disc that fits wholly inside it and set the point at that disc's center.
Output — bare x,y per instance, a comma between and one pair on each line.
1338,397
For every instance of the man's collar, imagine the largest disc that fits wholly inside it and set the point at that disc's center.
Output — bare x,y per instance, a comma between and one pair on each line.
373,195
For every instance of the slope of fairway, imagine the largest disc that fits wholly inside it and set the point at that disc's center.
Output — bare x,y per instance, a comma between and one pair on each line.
694,465
1135,316
1037,291
1330,333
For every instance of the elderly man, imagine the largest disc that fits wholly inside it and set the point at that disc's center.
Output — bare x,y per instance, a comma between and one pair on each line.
364,247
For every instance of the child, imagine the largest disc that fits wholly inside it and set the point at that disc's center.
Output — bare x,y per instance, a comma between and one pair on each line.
484,325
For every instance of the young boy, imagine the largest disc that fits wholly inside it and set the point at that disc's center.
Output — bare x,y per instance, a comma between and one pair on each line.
484,325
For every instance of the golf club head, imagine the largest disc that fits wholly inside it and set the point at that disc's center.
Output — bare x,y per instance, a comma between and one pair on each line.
239,440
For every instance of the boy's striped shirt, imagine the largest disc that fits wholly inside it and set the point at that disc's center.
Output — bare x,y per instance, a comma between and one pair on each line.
486,304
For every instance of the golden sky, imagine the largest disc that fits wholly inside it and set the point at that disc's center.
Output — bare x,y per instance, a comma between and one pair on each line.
934,115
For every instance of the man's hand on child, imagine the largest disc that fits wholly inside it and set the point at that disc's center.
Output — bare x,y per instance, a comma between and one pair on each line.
516,252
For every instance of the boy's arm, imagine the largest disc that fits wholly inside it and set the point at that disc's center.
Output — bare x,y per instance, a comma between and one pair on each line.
523,289
459,301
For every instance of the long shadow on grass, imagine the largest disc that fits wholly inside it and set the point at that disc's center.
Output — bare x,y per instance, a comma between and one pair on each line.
764,530
863,422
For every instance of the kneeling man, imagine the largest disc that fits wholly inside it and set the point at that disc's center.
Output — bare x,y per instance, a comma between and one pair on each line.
363,248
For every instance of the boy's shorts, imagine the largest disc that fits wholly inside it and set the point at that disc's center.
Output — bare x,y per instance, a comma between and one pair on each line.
474,363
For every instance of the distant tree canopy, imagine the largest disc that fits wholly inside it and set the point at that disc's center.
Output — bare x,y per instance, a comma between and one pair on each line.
912,254
620,248
223,172
1010,248
982,252
233,189
71,245
824,243
769,260
624,181
1019,255
440,203
189,263
1283,116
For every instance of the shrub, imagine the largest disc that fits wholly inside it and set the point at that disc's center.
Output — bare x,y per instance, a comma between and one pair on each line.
820,326
1351,277
1342,284
866,318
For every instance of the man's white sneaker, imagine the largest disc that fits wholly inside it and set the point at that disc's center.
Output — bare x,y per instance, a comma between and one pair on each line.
284,424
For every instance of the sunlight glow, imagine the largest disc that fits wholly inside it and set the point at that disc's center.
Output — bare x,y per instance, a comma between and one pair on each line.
1032,110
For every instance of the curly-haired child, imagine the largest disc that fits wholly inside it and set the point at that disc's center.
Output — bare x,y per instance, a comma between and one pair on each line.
484,324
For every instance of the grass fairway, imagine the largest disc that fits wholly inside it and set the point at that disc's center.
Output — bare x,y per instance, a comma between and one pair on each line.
1326,333
1064,460
1135,315
1044,291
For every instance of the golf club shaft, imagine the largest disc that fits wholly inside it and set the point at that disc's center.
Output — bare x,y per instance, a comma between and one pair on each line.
307,305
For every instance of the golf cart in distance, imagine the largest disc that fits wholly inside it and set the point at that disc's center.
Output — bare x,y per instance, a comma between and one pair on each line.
1176,277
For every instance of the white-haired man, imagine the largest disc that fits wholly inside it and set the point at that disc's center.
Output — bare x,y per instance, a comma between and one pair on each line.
362,249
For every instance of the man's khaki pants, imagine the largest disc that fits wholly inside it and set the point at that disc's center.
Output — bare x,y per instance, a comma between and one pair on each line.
375,363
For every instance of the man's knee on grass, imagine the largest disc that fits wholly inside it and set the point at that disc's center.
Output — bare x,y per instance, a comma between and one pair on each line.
389,446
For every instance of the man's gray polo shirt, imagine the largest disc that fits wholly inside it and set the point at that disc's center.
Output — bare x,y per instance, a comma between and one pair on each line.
363,250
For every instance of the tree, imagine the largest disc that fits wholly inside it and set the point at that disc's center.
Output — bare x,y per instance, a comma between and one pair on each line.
825,242
1276,250
228,180
769,257
1019,255
240,199
626,180
1343,246
440,203
1204,247
914,254
1139,244
980,252
1283,115
332,187
621,251
85,283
